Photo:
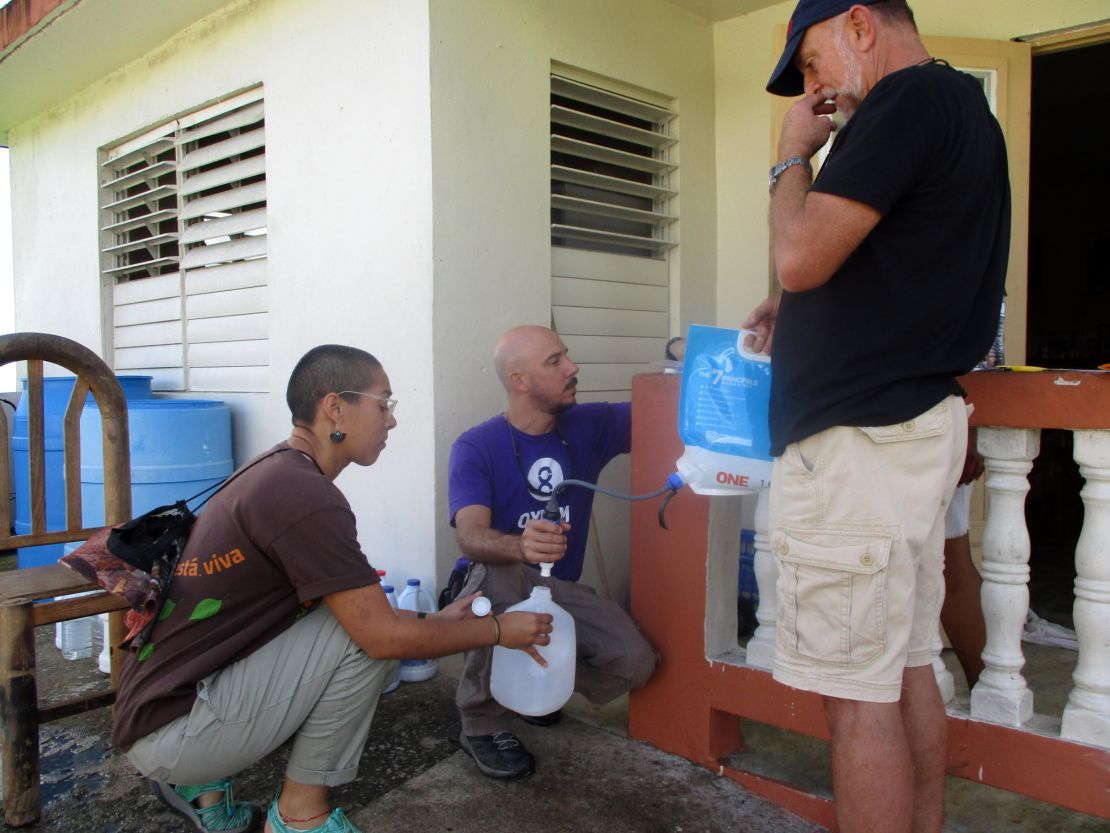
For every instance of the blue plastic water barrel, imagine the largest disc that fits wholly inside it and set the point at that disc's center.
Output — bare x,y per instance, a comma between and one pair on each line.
178,448
56,391
748,587
748,596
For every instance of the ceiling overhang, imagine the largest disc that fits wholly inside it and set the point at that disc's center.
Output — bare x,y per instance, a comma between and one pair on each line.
52,49
715,10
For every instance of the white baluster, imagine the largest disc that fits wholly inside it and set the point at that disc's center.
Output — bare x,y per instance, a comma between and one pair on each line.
1001,694
1087,715
945,682
761,647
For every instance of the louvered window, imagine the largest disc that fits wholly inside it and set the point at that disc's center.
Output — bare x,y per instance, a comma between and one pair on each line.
613,175
610,171
183,230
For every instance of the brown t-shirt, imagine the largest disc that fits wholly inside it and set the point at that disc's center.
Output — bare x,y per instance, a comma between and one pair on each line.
263,552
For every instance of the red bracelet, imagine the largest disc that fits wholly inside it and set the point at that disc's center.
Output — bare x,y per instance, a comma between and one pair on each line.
285,819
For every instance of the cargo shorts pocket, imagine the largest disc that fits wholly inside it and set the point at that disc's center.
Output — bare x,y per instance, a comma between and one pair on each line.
832,593
931,423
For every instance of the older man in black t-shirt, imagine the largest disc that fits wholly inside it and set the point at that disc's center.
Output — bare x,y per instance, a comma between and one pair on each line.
892,263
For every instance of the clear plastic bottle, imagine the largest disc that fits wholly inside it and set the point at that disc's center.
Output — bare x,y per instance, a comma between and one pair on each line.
415,597
75,637
396,681
520,683
104,659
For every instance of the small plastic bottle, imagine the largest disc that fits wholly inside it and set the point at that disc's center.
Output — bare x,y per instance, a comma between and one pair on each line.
414,597
396,681
104,659
75,639
520,683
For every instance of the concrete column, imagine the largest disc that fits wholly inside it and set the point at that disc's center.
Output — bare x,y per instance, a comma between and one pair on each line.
1087,714
1001,694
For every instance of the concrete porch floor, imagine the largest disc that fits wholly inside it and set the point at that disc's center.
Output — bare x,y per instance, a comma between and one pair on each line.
591,776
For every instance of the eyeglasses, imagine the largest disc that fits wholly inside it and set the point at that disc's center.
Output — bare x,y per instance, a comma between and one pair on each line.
391,404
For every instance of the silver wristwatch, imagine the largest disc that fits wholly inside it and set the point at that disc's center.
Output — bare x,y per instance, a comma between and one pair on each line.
782,167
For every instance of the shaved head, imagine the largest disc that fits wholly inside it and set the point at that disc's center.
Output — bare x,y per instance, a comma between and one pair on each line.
519,347
536,372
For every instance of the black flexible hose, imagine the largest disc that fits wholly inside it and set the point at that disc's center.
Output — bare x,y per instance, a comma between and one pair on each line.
669,488
610,492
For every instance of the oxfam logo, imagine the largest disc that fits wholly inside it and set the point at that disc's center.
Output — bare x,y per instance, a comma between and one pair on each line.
544,476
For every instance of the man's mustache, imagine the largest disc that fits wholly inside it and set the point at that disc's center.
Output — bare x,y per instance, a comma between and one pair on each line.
573,383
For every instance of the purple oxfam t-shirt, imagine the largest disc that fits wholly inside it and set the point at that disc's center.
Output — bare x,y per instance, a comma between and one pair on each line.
484,471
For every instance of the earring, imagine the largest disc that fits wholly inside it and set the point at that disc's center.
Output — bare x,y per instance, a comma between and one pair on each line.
337,436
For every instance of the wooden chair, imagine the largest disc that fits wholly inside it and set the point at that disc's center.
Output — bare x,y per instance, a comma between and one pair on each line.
21,589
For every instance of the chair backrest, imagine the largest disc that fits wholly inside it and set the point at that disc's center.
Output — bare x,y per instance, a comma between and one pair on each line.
92,375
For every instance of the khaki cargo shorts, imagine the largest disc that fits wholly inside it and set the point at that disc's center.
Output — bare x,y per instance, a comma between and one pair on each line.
857,529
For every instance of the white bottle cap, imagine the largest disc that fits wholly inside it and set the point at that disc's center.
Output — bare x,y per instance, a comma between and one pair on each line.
481,606
545,568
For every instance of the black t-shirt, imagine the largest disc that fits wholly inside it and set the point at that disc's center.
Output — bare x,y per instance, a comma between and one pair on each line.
266,549
916,304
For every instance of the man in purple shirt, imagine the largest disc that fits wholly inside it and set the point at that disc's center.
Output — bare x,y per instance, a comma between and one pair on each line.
500,477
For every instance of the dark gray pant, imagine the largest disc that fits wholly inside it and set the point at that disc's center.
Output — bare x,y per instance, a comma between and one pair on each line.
613,656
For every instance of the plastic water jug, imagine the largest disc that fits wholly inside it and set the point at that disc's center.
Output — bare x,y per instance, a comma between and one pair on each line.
520,683
415,597
396,681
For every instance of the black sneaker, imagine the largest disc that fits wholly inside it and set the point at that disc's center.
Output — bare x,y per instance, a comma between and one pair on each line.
542,719
499,755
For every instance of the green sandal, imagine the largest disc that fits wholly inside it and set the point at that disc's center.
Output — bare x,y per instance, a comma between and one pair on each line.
337,822
227,816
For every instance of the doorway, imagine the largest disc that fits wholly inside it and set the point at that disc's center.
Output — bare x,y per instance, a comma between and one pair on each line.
1068,324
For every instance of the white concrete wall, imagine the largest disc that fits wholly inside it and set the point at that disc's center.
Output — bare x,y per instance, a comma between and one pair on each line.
349,206
491,61
746,53
7,291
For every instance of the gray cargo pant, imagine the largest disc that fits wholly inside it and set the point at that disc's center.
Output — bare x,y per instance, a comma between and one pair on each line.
311,682
613,656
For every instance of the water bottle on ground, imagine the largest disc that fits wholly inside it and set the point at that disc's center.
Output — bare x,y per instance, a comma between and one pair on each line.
517,681
75,637
415,597
396,681
104,658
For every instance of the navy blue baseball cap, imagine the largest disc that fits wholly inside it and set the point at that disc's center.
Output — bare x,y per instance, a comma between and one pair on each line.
786,79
